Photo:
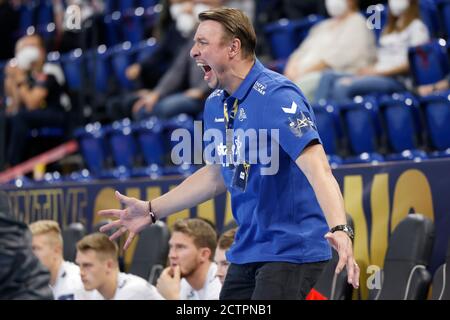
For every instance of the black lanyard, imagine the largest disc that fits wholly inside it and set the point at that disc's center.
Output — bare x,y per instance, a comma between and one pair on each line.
229,124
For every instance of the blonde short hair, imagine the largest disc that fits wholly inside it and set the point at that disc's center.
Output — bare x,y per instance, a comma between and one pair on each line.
100,243
47,227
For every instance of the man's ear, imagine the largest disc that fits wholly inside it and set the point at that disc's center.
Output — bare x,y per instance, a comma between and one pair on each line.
205,254
234,48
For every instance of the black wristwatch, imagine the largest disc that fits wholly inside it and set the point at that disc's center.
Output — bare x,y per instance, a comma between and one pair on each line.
345,228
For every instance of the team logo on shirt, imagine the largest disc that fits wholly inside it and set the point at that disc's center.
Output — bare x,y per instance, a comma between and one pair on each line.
242,116
292,109
301,123
259,87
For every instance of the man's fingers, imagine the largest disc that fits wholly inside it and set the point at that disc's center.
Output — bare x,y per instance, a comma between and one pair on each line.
342,261
110,213
129,240
110,226
118,233
123,199
350,270
177,272
356,276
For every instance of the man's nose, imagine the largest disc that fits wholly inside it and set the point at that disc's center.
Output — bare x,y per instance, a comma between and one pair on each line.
194,52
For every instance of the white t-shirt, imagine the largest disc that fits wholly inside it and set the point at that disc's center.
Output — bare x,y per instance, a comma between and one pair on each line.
210,291
344,45
68,285
393,50
131,287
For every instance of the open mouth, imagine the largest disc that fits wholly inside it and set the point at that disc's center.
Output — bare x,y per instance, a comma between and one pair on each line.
206,69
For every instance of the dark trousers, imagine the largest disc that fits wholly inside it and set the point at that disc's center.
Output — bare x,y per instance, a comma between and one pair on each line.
270,281
22,123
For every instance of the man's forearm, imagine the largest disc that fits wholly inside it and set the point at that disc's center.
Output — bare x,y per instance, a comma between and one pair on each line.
314,164
203,185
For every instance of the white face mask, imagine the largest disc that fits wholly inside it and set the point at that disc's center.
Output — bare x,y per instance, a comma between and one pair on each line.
336,8
176,10
200,7
398,7
185,23
26,56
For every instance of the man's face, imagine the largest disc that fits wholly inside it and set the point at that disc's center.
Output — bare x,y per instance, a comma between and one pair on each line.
46,251
184,253
211,52
222,264
93,271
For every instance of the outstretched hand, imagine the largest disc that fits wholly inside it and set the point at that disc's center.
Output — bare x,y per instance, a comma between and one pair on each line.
343,245
133,218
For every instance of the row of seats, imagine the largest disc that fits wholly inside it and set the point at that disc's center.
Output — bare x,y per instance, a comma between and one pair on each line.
286,35
138,149
404,275
132,14
400,126
98,65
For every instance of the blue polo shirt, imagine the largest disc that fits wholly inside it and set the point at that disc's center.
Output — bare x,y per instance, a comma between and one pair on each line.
278,215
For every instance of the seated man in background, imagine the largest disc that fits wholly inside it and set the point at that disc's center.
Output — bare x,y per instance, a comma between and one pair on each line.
97,257
47,245
224,243
192,273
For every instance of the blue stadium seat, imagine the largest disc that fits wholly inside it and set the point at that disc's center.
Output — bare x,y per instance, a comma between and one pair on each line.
444,10
437,113
401,117
148,3
93,147
430,16
126,6
183,122
133,26
122,58
286,35
361,125
144,49
429,62
99,68
111,6
327,120
113,28
122,143
72,67
44,13
26,16
150,138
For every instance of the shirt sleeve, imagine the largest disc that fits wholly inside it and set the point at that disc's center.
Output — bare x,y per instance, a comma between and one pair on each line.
288,113
418,32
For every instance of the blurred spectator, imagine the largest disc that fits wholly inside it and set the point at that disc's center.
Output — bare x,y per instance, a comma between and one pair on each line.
248,6
342,43
389,74
224,243
35,95
97,258
192,273
47,244
22,276
9,19
181,89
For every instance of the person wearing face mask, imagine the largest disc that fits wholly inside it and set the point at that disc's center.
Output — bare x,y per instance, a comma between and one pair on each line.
35,95
175,25
341,43
181,89
389,73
